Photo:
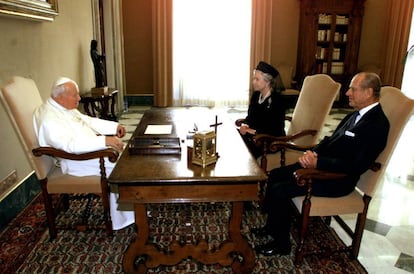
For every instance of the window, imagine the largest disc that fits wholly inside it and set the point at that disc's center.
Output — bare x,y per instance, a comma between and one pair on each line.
408,82
403,158
211,52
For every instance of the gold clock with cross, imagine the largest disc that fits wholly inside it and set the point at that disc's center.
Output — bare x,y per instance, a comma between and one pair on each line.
204,148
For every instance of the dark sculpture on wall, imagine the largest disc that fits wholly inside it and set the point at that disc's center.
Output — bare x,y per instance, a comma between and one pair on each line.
98,64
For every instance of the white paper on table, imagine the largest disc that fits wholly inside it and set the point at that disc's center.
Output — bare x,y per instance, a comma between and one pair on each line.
158,129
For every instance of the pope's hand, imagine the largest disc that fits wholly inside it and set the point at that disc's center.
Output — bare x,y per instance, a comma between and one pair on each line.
114,142
120,131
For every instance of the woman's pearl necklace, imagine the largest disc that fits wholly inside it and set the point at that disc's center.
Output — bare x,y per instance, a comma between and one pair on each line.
262,99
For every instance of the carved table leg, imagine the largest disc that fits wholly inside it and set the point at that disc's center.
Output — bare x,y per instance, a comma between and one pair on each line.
241,246
141,255
132,262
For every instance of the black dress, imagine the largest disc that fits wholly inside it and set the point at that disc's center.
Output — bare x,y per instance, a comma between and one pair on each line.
266,118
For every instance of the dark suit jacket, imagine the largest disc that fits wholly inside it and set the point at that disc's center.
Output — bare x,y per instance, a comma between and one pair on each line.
353,149
350,149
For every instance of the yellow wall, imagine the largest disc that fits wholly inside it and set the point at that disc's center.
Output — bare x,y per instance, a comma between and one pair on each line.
371,50
42,51
137,18
285,32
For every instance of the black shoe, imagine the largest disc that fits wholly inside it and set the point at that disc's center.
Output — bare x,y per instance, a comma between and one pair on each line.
260,231
273,248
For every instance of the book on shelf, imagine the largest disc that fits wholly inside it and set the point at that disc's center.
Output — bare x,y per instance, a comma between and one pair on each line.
321,53
324,35
336,53
337,68
321,35
341,20
324,67
339,37
325,18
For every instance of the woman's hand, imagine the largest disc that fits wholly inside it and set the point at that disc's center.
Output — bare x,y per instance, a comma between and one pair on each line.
246,129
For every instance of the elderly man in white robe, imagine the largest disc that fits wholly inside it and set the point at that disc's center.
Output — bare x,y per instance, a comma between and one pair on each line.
59,124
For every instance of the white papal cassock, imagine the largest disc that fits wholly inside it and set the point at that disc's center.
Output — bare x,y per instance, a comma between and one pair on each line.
74,132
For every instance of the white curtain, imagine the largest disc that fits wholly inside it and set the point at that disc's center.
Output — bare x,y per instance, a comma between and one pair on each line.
402,159
211,52
408,81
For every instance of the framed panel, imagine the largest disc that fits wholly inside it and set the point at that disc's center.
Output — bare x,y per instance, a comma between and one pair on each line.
40,10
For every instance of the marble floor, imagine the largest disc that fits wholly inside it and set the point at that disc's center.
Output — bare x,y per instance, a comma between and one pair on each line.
388,240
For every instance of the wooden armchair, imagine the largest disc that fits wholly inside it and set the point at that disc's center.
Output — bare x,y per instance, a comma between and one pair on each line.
398,109
21,97
314,103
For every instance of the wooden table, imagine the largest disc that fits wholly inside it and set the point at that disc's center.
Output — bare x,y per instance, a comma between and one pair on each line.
144,179
96,104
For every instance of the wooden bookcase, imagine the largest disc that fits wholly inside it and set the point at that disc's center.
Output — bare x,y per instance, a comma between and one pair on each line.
329,37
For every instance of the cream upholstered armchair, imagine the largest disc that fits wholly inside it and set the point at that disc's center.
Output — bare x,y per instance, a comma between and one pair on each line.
398,108
21,97
314,103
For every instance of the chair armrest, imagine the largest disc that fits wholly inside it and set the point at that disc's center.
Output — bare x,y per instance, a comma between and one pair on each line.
273,144
239,122
112,154
302,133
375,166
276,142
277,145
305,176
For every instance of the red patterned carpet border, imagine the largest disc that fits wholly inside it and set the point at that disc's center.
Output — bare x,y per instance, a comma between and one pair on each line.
22,235
25,245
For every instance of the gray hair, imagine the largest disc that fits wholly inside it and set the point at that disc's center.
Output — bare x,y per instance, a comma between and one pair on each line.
371,80
59,86
267,77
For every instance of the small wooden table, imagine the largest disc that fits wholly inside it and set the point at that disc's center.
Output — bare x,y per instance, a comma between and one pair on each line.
145,179
99,104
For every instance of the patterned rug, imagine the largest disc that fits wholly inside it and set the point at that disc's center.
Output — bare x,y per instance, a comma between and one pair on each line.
25,245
